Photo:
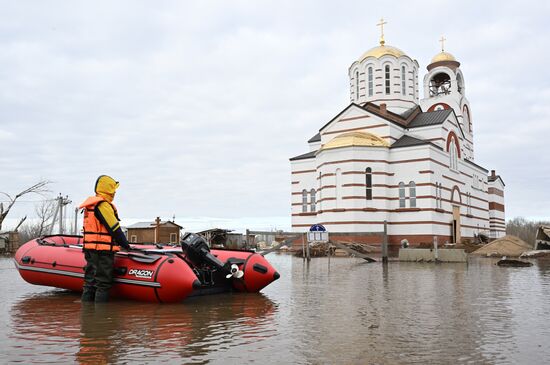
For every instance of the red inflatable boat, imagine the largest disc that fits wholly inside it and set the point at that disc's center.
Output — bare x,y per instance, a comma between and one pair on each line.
152,273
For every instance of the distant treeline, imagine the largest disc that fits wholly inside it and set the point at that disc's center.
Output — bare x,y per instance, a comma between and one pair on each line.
524,229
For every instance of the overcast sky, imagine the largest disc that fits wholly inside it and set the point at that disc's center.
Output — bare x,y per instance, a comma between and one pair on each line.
195,107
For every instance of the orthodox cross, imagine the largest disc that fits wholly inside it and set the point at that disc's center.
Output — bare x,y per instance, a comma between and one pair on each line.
381,25
442,40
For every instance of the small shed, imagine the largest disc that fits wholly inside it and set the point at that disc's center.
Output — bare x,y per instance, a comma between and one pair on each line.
157,231
9,242
218,237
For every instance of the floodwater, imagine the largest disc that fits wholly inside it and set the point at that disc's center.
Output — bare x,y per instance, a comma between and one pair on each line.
348,312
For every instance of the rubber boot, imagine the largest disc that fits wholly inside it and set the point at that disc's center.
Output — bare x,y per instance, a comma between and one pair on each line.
87,296
101,296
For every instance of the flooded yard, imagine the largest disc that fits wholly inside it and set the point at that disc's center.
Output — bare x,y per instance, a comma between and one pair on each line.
347,312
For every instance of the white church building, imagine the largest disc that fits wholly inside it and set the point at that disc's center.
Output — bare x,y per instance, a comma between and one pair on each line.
391,156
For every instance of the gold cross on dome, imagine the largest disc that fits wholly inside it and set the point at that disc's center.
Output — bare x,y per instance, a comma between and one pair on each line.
442,40
381,25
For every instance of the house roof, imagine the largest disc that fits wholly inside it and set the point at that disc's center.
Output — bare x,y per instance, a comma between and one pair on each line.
143,225
408,141
409,112
315,138
491,178
426,119
215,230
303,156
475,164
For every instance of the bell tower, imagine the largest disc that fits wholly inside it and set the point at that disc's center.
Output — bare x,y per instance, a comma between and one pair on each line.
444,88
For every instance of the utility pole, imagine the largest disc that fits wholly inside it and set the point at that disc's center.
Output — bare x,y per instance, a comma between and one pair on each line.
75,230
61,203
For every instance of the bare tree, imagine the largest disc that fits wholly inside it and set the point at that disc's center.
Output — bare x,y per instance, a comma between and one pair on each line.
40,188
45,211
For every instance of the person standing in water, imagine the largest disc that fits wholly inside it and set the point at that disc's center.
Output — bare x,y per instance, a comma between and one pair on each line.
103,237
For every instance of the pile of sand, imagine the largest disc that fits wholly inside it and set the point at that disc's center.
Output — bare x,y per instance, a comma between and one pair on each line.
506,246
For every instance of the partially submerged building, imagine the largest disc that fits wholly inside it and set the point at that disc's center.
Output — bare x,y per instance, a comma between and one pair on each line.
391,156
157,231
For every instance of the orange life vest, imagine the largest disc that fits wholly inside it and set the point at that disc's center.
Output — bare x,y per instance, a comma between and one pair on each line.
96,236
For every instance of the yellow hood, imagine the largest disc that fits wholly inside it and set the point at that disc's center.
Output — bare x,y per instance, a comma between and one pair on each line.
106,187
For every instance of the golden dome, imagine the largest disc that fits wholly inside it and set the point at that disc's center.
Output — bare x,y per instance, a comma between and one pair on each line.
355,139
382,50
443,56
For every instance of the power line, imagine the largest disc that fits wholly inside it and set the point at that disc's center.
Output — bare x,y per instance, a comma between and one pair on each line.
28,201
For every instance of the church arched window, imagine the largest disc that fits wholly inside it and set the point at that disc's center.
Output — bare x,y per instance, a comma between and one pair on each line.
304,201
466,116
320,191
338,186
440,84
401,194
459,83
371,81
438,195
403,80
453,148
387,78
312,200
368,183
356,85
412,194
453,155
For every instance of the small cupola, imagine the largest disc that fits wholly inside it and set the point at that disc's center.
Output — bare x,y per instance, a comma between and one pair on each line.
443,59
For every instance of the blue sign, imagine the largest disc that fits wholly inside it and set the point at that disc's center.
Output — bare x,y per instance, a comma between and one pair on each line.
317,228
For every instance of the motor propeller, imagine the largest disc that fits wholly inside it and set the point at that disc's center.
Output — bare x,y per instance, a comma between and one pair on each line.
234,272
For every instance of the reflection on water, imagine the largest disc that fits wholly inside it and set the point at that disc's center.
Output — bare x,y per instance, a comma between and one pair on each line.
125,331
345,311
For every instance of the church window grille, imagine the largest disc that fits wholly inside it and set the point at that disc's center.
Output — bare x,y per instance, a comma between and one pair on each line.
403,80
320,190
414,83
412,194
441,195
304,201
356,85
371,81
401,195
312,200
387,78
438,196
368,183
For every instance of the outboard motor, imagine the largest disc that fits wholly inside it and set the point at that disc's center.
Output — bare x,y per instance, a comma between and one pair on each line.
199,253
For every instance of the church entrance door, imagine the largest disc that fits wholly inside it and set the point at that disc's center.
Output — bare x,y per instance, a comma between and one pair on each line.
456,224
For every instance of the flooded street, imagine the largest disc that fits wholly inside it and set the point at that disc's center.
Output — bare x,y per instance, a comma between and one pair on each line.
349,312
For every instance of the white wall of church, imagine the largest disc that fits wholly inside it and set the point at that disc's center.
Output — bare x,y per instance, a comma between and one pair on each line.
418,190
341,202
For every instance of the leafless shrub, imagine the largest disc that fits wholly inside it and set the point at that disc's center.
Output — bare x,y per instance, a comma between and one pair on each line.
524,229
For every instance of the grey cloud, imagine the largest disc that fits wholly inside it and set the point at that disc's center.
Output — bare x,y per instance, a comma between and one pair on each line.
196,107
